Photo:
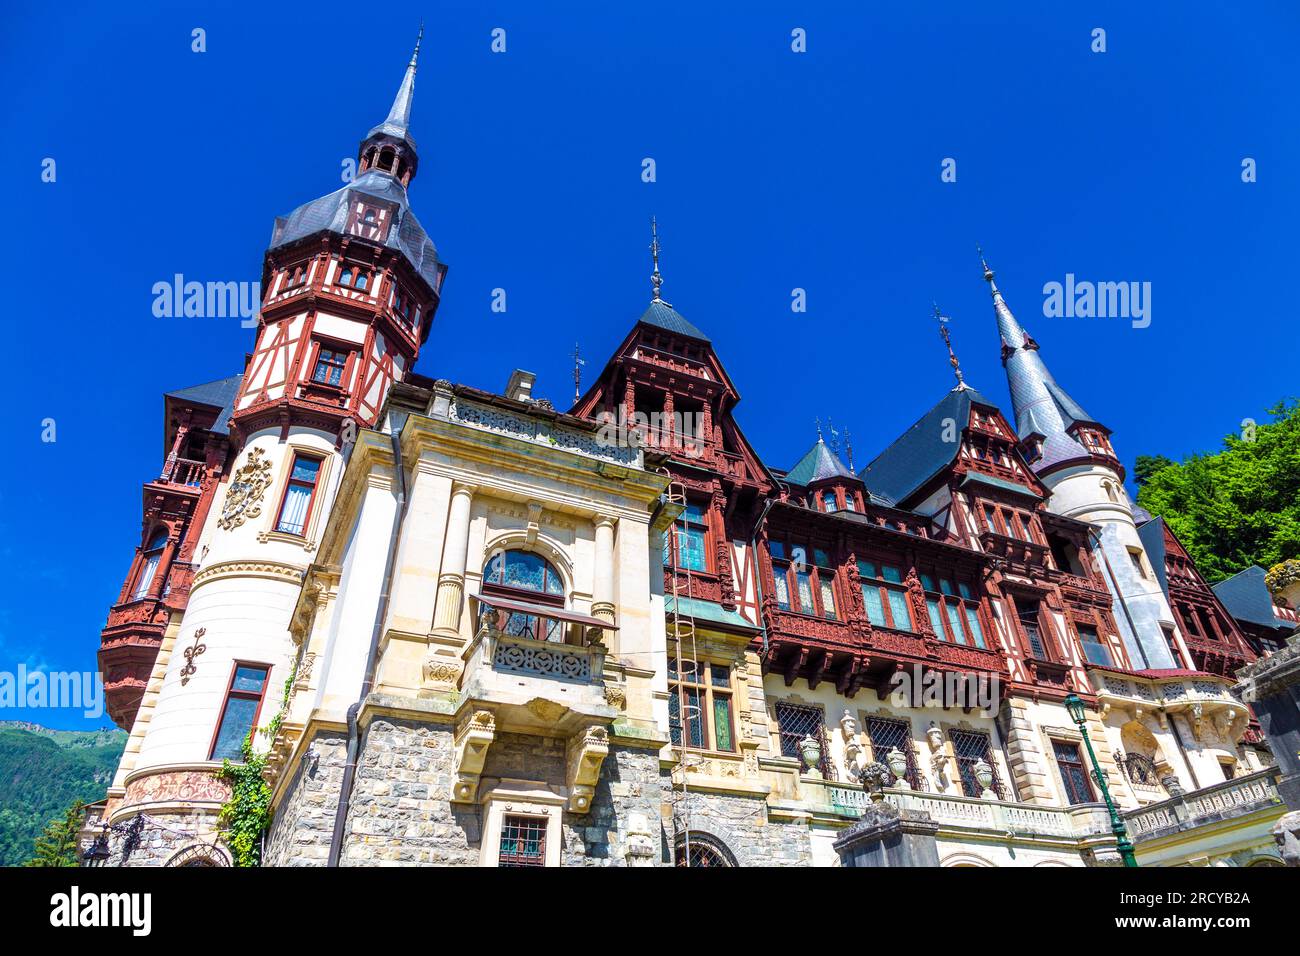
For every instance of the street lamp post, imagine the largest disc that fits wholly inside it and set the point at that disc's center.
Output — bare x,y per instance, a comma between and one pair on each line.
1075,706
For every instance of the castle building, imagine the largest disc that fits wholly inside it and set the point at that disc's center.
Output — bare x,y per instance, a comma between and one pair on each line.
466,628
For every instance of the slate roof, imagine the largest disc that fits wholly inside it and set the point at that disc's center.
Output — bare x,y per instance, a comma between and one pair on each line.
664,316
330,214
920,452
1152,536
819,463
219,394
1040,405
1247,598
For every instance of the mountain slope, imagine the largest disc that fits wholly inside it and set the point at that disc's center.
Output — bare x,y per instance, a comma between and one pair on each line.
42,772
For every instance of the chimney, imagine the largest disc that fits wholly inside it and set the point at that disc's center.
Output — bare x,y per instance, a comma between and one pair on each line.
520,387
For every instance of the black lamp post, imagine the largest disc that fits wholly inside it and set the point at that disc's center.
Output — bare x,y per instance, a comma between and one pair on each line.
1075,706
97,853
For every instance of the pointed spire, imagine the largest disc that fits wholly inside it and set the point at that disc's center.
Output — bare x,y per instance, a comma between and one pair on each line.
952,356
656,279
1013,335
398,123
1041,406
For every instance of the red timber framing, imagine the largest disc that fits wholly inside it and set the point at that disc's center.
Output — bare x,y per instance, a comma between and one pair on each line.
394,312
673,393
1215,640
848,649
175,504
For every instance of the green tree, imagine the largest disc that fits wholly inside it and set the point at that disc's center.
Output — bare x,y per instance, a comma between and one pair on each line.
1147,465
1239,506
57,845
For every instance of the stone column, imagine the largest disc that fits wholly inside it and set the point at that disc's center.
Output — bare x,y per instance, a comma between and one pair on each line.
451,582
602,592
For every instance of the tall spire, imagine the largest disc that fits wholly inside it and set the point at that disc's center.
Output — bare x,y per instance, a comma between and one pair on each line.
656,279
952,356
398,123
1042,408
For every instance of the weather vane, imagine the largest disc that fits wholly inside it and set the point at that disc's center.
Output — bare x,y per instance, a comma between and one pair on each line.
952,356
656,279
578,363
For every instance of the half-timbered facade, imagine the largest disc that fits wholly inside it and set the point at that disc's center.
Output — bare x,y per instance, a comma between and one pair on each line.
479,631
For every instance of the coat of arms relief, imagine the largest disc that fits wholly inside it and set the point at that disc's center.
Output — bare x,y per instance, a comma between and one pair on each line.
247,486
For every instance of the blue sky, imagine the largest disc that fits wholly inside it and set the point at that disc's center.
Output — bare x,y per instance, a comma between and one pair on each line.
775,171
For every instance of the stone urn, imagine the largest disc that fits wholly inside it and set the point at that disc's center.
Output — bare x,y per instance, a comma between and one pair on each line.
984,777
896,760
811,750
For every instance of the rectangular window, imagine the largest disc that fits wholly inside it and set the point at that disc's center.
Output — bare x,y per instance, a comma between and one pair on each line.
523,841
703,689
886,735
970,747
1229,769
1074,778
797,721
329,367
936,617
690,532
1135,556
882,586
296,506
977,632
240,711
1094,649
1028,613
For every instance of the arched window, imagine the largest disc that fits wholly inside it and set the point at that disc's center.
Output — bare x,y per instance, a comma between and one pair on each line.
362,279
525,576
345,277
698,849
152,555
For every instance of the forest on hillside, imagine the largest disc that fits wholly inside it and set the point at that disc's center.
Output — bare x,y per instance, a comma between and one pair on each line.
42,772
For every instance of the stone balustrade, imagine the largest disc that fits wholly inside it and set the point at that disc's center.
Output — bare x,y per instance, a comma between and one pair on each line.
1232,798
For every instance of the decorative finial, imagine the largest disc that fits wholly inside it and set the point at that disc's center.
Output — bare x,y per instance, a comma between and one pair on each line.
578,363
818,422
415,56
848,447
952,356
656,280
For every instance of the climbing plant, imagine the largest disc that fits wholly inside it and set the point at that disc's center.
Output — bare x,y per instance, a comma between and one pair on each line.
247,814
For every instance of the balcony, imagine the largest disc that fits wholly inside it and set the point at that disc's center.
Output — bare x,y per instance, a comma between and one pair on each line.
1014,550
186,472
1082,827
1204,700
539,670
1232,800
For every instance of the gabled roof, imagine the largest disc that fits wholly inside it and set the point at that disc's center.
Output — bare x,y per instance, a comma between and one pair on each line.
219,394
1247,598
920,452
819,463
664,316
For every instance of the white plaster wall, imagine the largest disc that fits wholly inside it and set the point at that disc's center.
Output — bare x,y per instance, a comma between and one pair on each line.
246,619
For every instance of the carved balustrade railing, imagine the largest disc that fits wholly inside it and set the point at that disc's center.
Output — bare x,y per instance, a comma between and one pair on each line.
1233,798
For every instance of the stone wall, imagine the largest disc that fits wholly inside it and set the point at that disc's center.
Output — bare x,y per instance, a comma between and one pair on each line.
304,819
169,839
629,796
741,824
401,814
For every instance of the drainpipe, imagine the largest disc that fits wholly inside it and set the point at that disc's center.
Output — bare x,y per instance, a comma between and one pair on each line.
1119,593
372,657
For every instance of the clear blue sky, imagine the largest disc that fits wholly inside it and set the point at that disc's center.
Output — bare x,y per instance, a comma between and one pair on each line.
775,170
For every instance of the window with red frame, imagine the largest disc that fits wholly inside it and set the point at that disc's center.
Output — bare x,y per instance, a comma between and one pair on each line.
885,596
295,509
954,611
330,365
525,576
804,579
239,712
1074,778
